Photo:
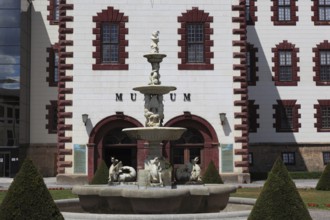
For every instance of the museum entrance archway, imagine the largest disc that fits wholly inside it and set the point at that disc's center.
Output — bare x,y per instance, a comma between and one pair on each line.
200,140
107,140
189,146
118,145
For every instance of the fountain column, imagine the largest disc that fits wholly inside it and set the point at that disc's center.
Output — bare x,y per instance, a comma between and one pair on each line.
154,132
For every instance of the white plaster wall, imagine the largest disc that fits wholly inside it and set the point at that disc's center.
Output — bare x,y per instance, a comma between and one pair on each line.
42,36
95,91
305,36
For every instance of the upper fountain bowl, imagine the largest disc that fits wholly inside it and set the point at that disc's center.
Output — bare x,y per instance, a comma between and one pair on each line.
155,89
154,57
155,133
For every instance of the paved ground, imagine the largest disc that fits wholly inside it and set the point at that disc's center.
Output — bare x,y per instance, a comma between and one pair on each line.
316,213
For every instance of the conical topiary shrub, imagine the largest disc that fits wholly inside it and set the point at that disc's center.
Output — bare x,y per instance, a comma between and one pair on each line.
324,181
101,175
279,198
211,174
28,197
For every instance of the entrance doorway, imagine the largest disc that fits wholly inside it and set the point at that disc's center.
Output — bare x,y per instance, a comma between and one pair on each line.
4,164
118,145
189,146
126,155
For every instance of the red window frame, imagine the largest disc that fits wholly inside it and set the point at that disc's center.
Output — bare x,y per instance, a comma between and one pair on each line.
52,117
52,79
53,9
316,16
113,16
324,46
318,125
195,16
278,116
251,64
253,116
250,9
286,46
276,16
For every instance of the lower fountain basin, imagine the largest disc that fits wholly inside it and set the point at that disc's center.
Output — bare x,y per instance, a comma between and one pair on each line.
155,133
130,199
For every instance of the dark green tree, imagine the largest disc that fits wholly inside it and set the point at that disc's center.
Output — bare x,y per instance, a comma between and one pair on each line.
324,181
279,198
211,174
101,175
28,197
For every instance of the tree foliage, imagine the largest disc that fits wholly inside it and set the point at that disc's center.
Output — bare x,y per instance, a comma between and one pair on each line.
324,181
28,197
101,175
279,198
211,174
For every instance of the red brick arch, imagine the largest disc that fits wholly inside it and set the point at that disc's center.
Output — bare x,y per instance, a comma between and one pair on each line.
211,143
95,142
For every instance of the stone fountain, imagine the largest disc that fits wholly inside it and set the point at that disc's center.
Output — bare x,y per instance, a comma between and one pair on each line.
153,193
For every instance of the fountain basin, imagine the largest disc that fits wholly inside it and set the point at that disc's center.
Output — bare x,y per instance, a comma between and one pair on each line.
130,199
155,133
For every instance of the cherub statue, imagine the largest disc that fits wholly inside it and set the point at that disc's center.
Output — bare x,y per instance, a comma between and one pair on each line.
154,75
154,42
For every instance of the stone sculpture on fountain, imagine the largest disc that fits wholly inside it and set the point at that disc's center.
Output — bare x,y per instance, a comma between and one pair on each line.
190,172
119,173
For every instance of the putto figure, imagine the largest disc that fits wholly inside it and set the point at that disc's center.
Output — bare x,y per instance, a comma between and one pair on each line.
154,42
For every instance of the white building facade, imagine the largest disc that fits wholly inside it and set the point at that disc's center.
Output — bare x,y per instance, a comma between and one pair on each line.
268,75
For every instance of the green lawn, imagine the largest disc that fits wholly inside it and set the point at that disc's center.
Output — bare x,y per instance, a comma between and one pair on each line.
56,194
311,197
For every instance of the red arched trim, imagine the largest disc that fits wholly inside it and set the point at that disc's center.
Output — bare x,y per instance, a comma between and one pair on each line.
188,120
95,147
110,122
211,143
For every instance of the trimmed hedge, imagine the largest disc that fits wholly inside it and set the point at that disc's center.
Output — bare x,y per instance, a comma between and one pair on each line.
279,198
324,181
101,175
28,197
211,174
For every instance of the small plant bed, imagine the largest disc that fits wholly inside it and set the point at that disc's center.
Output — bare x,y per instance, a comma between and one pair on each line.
311,197
56,194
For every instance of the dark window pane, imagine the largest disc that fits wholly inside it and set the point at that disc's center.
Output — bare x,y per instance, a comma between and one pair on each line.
287,118
285,66
9,18
195,38
325,65
55,66
10,36
325,117
178,155
326,157
110,43
195,152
